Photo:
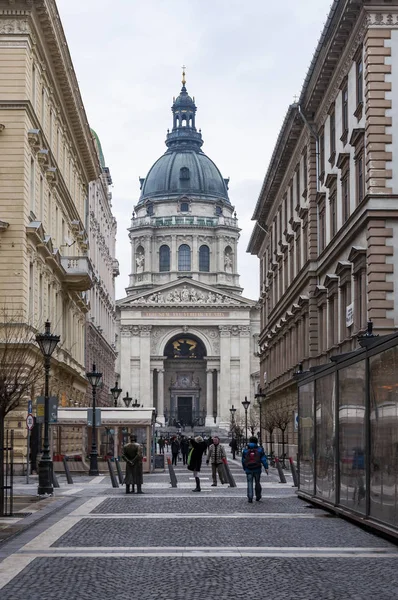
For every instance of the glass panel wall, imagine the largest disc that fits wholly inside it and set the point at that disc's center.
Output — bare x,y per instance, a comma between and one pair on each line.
306,437
384,436
325,457
352,383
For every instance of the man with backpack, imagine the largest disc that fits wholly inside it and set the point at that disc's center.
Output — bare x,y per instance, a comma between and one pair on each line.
253,458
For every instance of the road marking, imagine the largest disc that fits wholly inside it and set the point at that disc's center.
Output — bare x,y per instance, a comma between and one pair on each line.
97,480
12,566
201,516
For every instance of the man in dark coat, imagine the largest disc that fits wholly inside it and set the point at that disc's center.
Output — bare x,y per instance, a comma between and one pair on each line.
184,445
175,448
234,446
132,455
195,462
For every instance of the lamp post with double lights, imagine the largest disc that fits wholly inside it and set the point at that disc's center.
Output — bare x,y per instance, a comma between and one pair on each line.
136,403
94,378
115,391
246,404
260,397
47,343
127,400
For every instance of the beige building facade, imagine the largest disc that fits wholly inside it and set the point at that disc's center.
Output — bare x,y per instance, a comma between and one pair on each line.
326,219
47,160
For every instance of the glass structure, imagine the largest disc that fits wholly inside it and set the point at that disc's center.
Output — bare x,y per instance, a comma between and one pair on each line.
204,258
164,258
184,258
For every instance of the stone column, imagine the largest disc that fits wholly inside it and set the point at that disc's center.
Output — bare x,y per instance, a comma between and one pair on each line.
145,362
195,254
223,400
152,403
161,395
244,364
173,257
125,351
209,398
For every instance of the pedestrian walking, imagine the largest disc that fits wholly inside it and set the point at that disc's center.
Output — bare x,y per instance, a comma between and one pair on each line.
234,447
215,457
175,448
161,443
198,446
184,445
132,455
253,458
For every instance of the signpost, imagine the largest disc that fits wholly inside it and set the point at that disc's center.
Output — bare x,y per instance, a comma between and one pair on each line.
30,422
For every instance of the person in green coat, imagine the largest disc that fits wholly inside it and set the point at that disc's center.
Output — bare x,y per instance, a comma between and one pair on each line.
132,455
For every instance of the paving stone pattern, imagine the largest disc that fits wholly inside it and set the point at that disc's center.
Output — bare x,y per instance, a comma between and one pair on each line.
217,532
190,578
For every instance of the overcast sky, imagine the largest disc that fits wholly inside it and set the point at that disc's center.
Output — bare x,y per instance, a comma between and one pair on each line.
245,62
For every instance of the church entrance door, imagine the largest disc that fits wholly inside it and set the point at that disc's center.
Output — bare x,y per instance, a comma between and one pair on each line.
184,407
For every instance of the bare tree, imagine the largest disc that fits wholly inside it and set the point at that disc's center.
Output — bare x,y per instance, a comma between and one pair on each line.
282,418
254,419
269,424
21,368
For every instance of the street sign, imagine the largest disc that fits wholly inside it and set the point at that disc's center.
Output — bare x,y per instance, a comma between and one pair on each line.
30,407
30,421
52,406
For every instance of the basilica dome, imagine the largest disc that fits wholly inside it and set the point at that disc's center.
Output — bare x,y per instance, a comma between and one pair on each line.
184,168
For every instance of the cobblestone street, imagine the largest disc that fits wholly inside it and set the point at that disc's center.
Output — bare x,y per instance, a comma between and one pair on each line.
170,543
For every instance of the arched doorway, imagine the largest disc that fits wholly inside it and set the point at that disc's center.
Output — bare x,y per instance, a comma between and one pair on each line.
185,381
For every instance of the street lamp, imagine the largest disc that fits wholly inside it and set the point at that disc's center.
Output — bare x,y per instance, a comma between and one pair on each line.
94,378
246,404
127,400
260,397
47,343
232,411
135,404
115,391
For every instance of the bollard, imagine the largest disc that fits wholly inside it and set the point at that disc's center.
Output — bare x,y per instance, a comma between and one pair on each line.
294,472
228,473
55,479
112,474
280,472
119,471
173,478
67,472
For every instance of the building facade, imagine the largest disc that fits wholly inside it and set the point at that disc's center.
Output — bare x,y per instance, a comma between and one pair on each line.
327,221
187,336
101,323
47,160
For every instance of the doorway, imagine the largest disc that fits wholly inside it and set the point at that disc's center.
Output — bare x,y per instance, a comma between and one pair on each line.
184,408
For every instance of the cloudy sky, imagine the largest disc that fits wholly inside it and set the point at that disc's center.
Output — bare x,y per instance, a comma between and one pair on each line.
245,62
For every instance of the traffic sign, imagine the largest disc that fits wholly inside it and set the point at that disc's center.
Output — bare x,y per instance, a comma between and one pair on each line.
30,421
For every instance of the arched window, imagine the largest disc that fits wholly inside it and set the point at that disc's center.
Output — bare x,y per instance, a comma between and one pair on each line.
164,258
184,207
184,258
204,258
184,173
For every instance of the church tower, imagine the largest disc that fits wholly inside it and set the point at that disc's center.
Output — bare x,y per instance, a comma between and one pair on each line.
184,224
188,339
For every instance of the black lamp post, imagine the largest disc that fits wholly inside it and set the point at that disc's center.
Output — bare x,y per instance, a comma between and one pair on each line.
116,391
47,344
246,404
232,411
260,397
94,378
135,404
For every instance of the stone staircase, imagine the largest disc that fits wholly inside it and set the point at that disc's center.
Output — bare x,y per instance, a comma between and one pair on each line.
220,432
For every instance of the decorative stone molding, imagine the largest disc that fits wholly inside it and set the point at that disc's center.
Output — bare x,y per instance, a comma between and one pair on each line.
129,330
225,330
187,295
244,330
382,19
14,26
145,330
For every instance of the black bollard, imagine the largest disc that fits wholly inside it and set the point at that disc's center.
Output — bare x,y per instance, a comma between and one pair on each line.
280,472
173,478
54,478
294,472
229,475
112,474
67,472
119,471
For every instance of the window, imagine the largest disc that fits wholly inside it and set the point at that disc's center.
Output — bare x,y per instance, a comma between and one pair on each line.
322,228
333,215
184,207
286,220
41,199
345,196
332,124
32,185
305,242
322,155
149,210
218,210
305,171
184,258
298,251
298,186
43,106
204,258
360,304
34,86
345,112
164,258
360,81
360,179
184,174
291,202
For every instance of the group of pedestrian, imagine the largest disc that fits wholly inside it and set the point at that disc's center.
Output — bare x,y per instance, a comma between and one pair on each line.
253,460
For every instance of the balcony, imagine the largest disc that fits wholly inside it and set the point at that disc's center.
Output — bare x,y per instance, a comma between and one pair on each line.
186,221
78,273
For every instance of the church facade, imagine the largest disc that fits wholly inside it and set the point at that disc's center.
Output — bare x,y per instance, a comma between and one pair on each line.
187,337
